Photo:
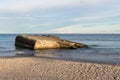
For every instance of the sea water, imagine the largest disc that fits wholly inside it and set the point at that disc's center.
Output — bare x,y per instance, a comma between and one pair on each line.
102,48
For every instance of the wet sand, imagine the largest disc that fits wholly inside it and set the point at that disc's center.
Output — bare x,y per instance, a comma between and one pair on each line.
33,68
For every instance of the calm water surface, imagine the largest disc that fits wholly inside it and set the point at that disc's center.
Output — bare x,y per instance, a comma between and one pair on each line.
102,48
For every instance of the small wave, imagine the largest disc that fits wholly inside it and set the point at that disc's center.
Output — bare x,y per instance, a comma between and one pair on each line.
2,47
24,54
93,45
118,59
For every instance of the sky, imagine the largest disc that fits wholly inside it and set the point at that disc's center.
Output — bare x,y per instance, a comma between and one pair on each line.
60,16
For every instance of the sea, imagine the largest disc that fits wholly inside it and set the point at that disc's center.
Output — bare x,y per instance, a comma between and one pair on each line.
103,48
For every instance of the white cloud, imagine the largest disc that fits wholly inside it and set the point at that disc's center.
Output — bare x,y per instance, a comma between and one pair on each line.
62,30
32,18
25,18
28,5
95,17
40,25
81,29
4,18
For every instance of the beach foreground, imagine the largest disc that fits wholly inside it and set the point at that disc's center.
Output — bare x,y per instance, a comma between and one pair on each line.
33,68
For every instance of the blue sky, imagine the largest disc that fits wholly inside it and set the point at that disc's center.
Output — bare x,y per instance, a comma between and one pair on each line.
59,16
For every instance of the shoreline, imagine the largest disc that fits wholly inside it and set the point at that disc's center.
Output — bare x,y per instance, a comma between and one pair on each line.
72,60
53,69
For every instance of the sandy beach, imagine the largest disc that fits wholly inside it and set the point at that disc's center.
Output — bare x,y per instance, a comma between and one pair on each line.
31,68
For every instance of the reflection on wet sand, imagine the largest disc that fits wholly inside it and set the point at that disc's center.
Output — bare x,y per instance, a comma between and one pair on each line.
46,53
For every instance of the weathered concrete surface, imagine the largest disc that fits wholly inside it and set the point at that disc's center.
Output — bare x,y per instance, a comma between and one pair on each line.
45,42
